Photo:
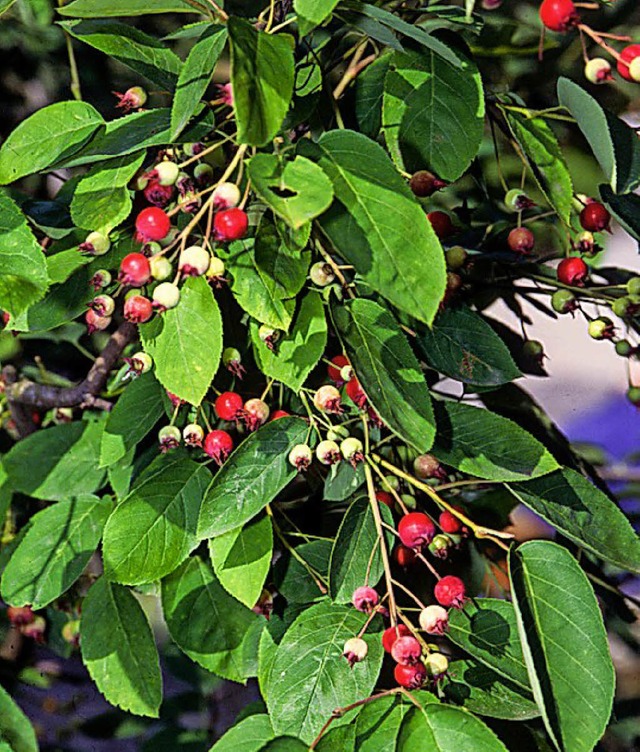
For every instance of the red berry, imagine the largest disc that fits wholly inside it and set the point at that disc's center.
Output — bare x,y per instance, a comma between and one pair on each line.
333,371
228,406
424,183
95,322
230,224
449,523
218,445
19,615
279,414
138,309
595,217
390,635
158,194
152,223
404,557
356,393
450,591
135,270
406,650
628,54
416,530
255,413
365,598
441,223
572,271
559,15
384,497
410,677
521,240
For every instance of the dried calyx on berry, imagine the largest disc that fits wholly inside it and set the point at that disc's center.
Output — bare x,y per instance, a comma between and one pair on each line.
95,244
355,650
169,437
301,457
365,599
132,99
424,184
516,200
450,591
559,15
598,70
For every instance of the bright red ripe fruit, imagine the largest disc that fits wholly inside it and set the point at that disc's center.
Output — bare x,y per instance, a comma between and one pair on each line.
595,217
152,223
228,406
356,393
410,677
138,309
218,445
559,15
390,635
385,498
441,223
416,530
521,240
630,53
339,362
572,271
450,591
279,414
230,224
449,523
135,270
406,650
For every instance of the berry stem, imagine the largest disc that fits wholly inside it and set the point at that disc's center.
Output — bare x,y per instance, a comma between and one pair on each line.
597,38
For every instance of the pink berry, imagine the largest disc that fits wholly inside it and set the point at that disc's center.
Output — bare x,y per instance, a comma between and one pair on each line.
228,406
427,466
450,591
390,635
595,217
152,223
218,445
384,497
356,393
279,414
365,599
406,650
35,629
158,194
449,522
410,677
434,620
132,99
521,240
138,309
559,15
572,271
424,184
135,270
230,224
328,399
96,323
256,413
19,615
416,530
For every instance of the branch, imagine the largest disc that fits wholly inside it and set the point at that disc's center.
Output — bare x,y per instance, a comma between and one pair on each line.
44,397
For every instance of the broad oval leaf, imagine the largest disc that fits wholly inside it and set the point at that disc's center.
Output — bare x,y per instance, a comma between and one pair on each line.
252,477
247,736
356,550
23,268
625,208
463,346
212,628
67,462
564,644
186,342
298,578
387,369
368,221
118,649
378,723
312,13
153,530
72,529
285,744
98,8
584,514
49,135
262,76
15,727
442,728
486,445
309,659
433,113
241,559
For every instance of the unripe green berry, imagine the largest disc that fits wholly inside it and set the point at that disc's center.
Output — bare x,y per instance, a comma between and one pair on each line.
601,328
166,295
321,274
161,268
167,173
169,437
598,70
633,395
456,257
328,452
437,665
337,433
96,244
409,501
517,200
624,348
633,286
216,268
300,457
563,301
621,306
351,449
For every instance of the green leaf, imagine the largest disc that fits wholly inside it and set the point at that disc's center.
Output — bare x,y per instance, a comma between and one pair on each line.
23,269
15,727
247,736
256,291
195,76
98,8
309,659
542,151
463,346
142,53
481,690
614,143
120,474
207,624
186,342
356,556
285,744
53,553
281,264
297,190
135,414
387,369
342,481
294,580
262,77
342,738
584,514
368,223
564,643
625,209
50,135
369,92
102,200
487,629
299,351
487,445
5,5
252,477
67,463
378,723
118,649
241,559
433,113
312,13
153,530
443,728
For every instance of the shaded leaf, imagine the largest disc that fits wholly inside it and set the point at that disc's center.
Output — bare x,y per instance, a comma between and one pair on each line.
443,728
97,8
312,13
247,736
15,727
